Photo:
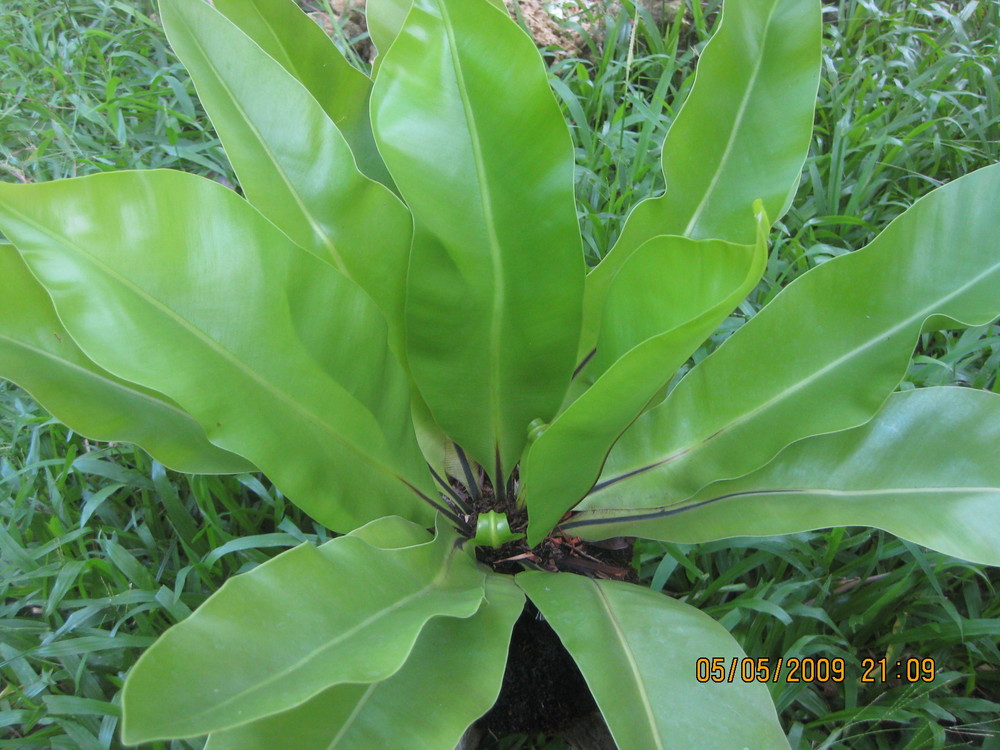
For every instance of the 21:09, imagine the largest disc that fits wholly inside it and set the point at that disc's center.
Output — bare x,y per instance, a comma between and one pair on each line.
910,670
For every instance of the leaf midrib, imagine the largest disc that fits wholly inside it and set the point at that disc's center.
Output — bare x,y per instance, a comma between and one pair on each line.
289,62
626,648
435,583
486,199
606,516
737,124
355,712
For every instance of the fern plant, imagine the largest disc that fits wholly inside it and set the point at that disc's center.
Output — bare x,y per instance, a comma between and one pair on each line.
394,323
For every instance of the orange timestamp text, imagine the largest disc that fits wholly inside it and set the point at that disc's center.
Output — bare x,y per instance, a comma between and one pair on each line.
792,669
809,669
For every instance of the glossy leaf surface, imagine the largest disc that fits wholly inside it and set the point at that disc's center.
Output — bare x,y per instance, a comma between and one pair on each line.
174,282
742,135
304,621
385,19
637,650
293,163
305,51
38,354
837,341
450,679
925,468
668,298
670,282
475,141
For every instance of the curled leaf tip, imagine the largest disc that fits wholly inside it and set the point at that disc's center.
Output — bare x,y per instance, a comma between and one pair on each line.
493,530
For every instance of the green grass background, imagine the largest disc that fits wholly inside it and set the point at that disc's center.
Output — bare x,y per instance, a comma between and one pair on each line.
101,548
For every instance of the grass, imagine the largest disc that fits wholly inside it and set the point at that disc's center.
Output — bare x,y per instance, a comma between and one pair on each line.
102,549
89,86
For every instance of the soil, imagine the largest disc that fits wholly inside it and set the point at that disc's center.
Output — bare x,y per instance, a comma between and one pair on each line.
543,691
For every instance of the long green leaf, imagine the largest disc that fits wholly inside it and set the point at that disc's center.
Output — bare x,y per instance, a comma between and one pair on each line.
309,619
171,281
293,163
485,164
667,299
925,468
742,135
304,50
38,354
837,341
451,678
638,651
